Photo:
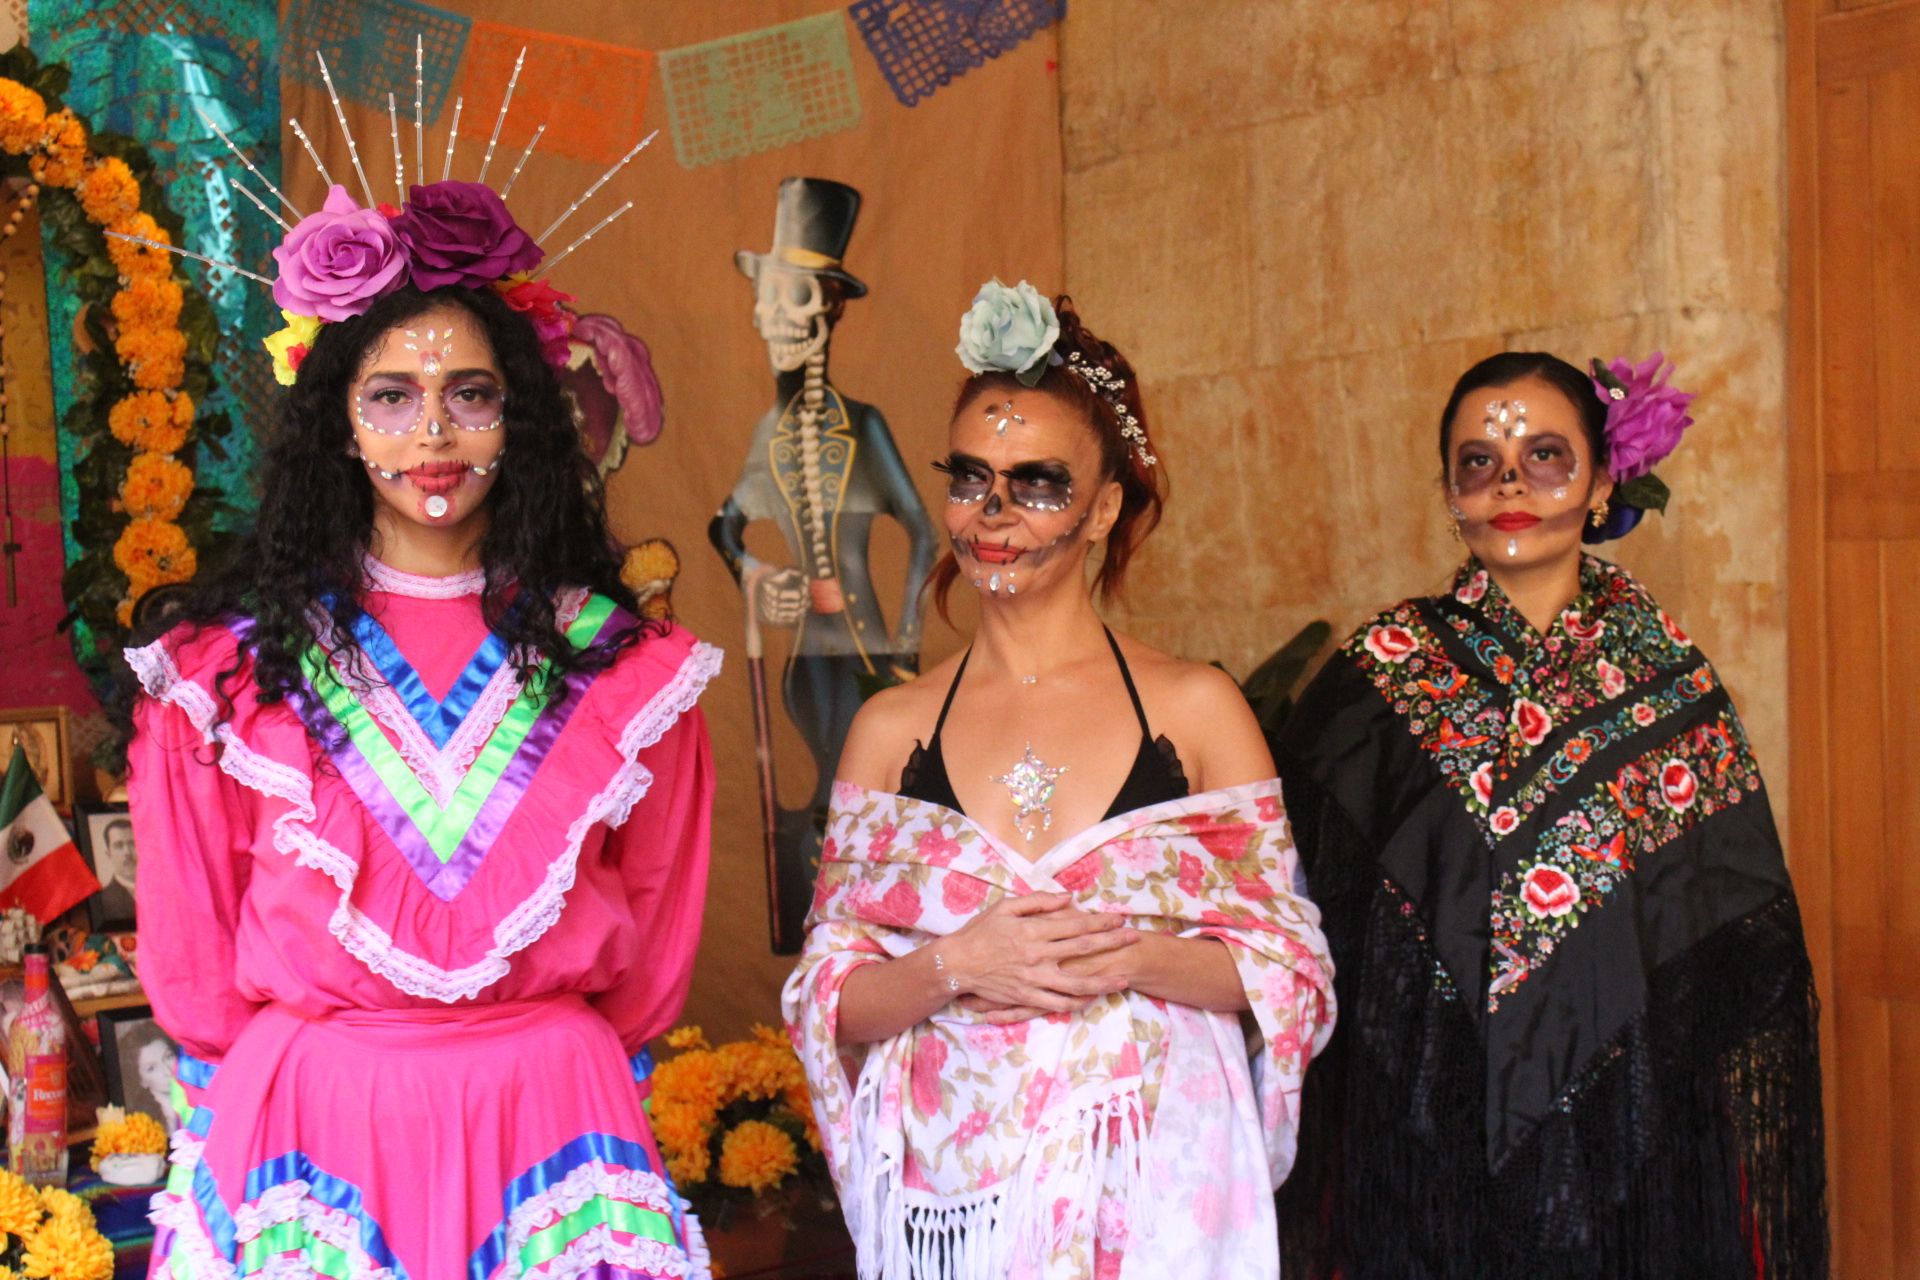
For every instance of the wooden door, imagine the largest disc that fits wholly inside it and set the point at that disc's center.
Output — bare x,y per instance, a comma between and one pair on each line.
1853,83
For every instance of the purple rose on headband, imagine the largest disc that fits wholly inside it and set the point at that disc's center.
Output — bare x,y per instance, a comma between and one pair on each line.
1645,416
334,263
461,233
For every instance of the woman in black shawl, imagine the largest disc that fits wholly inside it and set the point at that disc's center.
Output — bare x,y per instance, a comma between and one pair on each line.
1578,1025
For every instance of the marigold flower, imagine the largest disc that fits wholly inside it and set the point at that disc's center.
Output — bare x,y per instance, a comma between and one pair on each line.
23,115
151,422
19,1206
757,1156
155,357
108,191
61,1203
154,552
148,302
696,1080
137,260
62,160
128,1133
68,1248
156,486
688,1037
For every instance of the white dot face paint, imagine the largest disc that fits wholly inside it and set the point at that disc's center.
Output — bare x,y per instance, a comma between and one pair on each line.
436,372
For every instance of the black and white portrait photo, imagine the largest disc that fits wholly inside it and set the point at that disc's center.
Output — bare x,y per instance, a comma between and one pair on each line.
140,1059
106,833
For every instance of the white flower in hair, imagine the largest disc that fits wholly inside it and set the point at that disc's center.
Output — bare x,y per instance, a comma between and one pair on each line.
1011,330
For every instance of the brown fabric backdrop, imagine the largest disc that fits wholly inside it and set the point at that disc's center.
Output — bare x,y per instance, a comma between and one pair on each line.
965,185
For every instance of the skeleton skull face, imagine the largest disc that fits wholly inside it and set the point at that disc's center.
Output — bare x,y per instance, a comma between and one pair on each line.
793,313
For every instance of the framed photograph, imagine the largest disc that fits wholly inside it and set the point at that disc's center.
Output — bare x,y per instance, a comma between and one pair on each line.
42,732
139,1058
104,833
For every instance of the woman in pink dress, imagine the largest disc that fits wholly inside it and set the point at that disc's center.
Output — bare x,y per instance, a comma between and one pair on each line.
424,811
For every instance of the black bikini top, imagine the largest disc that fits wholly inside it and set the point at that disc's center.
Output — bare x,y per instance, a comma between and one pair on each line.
1157,774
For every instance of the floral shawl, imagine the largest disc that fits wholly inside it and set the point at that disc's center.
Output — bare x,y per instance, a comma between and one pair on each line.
1132,1139
1580,1022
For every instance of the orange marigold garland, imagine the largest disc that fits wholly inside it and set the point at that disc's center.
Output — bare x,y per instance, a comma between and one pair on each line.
141,522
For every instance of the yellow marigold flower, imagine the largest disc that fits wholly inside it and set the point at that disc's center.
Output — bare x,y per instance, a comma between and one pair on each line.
756,1069
19,1206
691,1167
289,346
62,160
150,422
133,1135
137,260
154,552
8,1273
682,1037
148,302
155,357
756,1156
61,1203
679,1131
123,612
696,1080
108,191
23,116
68,1248
156,486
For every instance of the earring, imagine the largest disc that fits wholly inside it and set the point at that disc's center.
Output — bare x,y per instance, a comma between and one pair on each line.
1598,516
1454,529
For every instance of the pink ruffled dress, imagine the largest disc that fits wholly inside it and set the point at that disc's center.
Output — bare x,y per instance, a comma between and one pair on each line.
413,938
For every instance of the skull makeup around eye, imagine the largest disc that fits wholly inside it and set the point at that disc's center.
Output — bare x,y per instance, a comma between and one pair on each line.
1036,486
396,405
1544,461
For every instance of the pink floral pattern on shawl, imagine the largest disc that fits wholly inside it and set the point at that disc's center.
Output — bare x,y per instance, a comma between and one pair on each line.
1132,1139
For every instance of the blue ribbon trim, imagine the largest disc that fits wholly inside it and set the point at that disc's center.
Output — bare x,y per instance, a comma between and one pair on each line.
604,1147
195,1073
439,718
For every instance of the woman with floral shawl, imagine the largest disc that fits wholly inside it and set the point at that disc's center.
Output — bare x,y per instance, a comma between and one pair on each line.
1579,1020
1033,942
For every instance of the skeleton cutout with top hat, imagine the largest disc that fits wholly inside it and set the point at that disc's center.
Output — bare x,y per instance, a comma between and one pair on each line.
822,467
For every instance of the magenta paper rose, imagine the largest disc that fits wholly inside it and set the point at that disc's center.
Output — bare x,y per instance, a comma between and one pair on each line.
461,233
334,263
1645,416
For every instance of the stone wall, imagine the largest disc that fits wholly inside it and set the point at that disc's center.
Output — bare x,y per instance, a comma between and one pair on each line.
1303,219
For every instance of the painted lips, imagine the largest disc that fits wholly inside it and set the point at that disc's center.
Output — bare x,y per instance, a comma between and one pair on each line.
987,553
1513,521
437,477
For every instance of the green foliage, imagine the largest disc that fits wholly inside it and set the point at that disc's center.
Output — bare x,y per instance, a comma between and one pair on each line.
1270,688
1648,492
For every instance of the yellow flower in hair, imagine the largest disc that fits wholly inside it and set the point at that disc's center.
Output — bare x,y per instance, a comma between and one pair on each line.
155,486
137,260
290,345
62,160
148,302
23,116
153,553
108,191
151,422
757,1156
19,1206
68,1248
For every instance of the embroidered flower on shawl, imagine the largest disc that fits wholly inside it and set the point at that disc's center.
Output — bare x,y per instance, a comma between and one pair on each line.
1678,785
1531,721
961,893
1580,629
1391,643
880,843
1672,628
1190,874
972,1127
1474,589
1549,891
1504,820
1644,715
936,848
1613,681
898,906
1482,782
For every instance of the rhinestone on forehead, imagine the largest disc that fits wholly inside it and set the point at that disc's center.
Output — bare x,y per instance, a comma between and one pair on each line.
1506,419
430,358
1005,415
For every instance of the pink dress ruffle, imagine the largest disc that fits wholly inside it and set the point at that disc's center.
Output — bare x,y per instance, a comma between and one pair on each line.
384,1080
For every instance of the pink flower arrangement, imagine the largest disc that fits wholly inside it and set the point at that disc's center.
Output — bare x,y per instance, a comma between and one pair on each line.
1645,416
335,263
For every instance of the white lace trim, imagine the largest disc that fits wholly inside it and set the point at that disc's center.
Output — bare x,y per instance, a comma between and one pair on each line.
597,1246
362,938
284,1202
384,577
583,1184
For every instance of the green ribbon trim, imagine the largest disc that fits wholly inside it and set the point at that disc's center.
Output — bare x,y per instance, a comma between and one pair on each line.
443,829
549,1243
293,1237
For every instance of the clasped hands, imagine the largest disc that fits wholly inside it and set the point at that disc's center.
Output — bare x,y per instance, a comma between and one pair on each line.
1029,956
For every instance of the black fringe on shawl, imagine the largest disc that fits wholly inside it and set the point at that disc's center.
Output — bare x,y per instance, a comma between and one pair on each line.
1693,1148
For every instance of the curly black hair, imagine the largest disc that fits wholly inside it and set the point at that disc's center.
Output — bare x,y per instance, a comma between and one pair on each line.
547,528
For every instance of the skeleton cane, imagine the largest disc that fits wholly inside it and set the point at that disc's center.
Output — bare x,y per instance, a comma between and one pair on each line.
763,748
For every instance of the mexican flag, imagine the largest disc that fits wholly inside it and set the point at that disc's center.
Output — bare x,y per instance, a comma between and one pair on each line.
42,871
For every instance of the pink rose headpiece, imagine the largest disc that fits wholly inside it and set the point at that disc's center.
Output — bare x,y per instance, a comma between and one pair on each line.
336,263
1645,420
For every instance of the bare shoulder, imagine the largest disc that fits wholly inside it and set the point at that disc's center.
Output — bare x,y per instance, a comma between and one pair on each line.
889,723
1200,707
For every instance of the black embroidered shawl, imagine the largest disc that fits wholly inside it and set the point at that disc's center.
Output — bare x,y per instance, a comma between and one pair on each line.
1577,1031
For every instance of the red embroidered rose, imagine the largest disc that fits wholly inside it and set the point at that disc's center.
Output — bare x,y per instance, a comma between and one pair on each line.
960,893
1531,721
1474,589
1678,785
1644,715
1482,783
1505,819
1391,643
1579,628
1672,628
1613,681
899,906
1549,892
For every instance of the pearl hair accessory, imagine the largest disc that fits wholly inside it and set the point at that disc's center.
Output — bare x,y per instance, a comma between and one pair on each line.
1111,388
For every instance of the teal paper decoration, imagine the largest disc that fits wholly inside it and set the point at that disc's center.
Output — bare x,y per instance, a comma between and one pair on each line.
748,93
369,49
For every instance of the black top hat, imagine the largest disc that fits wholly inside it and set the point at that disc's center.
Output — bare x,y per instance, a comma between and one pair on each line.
811,228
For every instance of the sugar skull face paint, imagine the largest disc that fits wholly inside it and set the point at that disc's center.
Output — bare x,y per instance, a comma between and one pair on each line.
1037,486
1520,475
427,420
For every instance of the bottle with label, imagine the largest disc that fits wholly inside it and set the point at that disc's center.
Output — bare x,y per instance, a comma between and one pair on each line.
37,1058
